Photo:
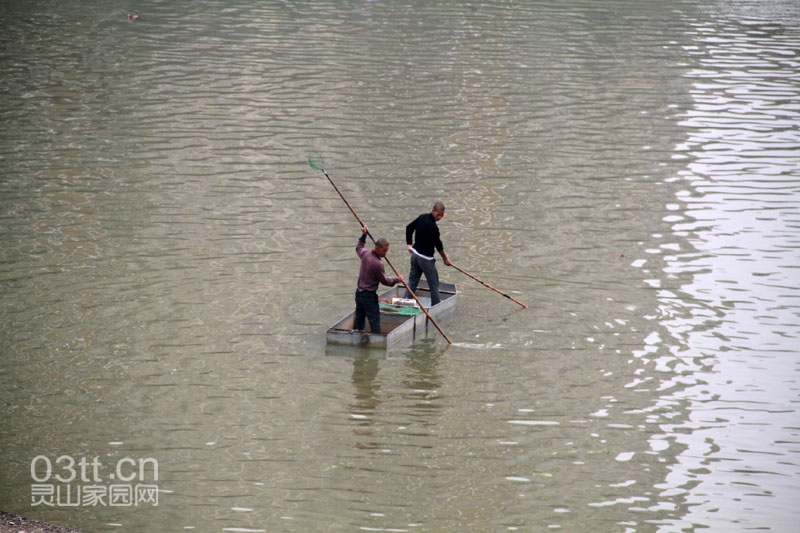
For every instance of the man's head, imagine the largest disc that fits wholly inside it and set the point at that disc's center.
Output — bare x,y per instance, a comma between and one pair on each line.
381,247
438,211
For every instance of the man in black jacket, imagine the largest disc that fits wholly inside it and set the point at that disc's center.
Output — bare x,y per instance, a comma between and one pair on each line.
426,234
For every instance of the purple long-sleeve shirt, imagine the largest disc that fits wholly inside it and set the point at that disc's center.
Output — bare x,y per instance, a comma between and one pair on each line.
371,273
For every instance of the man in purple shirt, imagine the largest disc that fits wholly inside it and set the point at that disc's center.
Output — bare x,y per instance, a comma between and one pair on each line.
370,276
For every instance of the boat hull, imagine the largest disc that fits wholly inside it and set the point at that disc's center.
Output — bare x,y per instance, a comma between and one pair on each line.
396,328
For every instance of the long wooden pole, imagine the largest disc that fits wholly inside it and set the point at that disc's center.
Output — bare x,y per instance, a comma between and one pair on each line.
387,260
489,286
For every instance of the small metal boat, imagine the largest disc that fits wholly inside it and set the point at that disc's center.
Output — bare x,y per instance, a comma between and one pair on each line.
398,323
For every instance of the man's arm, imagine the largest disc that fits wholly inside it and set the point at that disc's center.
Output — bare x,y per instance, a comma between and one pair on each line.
361,241
444,256
440,248
389,282
412,226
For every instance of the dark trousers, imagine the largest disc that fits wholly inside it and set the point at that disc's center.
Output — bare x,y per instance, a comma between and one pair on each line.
420,266
367,307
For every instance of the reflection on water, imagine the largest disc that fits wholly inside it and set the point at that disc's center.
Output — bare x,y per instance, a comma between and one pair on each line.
420,384
169,263
737,319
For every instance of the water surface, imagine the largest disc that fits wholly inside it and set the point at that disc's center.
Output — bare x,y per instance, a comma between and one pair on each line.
170,262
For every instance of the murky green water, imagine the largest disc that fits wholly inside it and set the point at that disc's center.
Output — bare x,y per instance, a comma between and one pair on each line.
169,265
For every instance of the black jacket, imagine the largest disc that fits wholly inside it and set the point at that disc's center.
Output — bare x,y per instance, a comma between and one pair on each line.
427,235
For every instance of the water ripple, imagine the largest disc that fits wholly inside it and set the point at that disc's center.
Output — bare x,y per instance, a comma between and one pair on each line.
743,203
